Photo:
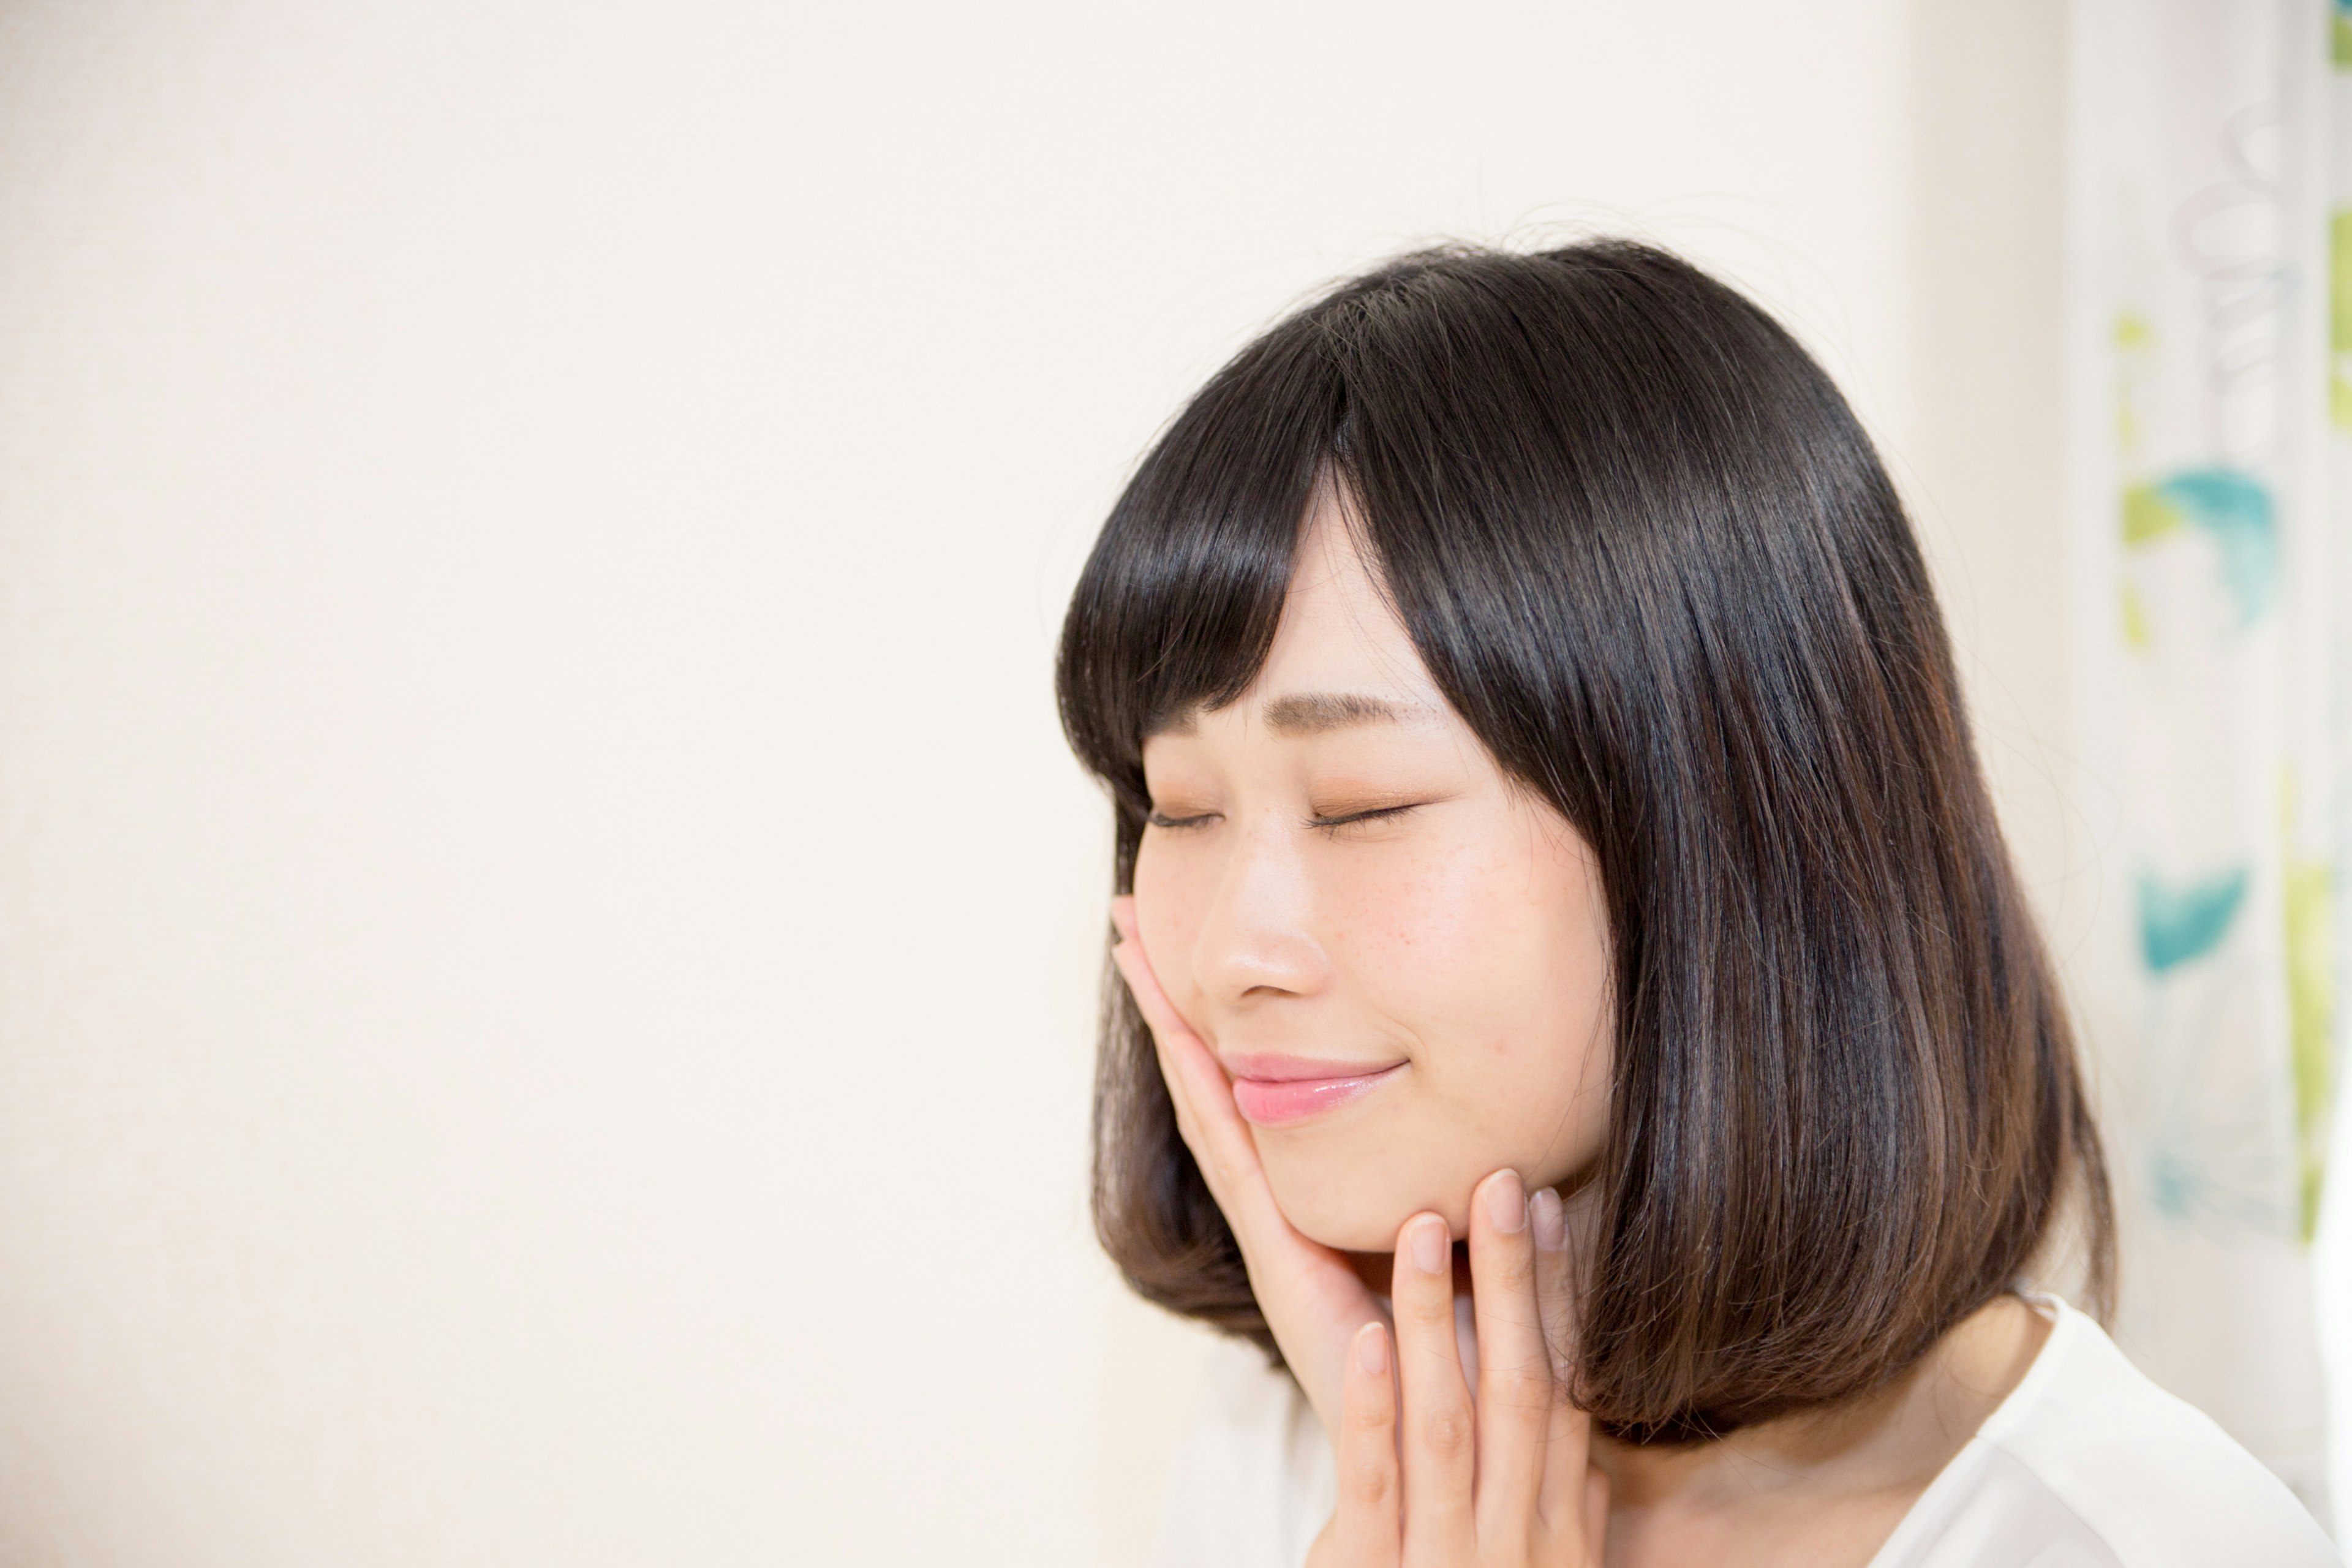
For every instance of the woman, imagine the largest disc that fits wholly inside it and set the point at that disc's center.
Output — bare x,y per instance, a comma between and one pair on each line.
1546,821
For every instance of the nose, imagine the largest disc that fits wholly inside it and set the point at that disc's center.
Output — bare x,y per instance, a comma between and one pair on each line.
1257,938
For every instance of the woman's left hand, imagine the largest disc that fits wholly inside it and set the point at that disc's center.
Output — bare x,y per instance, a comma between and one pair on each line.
1428,1479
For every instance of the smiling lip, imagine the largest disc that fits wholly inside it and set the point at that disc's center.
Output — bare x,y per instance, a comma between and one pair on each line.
1279,1091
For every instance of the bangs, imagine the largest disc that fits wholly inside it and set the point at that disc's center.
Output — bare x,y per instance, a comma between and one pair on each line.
1178,604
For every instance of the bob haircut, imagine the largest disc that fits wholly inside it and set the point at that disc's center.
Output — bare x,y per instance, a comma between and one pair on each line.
1648,553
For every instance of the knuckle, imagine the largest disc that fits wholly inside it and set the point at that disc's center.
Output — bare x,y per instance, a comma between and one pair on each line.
1444,1432
1429,1309
1523,1387
1510,1265
1520,1318
1367,1481
1370,1416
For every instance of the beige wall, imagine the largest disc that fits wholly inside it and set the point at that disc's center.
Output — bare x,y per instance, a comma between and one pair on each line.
1984,455
546,935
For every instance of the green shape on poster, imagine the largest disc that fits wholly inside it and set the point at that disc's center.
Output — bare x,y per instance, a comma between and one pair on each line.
2311,1012
2339,292
2149,516
2134,620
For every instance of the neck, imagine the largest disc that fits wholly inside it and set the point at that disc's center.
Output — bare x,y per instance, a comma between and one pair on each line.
1846,1473
1838,1477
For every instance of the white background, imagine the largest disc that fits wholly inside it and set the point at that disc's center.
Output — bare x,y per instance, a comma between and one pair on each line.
547,936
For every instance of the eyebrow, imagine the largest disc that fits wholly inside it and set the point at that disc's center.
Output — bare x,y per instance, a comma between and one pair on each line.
1312,713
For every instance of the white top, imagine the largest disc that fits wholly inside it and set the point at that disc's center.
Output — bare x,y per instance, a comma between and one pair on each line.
2086,1463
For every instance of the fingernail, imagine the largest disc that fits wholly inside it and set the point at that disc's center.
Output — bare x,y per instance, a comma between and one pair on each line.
1430,1242
1373,1349
1506,1202
1550,1219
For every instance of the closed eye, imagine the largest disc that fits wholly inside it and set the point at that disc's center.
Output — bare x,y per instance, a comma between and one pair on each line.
1156,819
1372,815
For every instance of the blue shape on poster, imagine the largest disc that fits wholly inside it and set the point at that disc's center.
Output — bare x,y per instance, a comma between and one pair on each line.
2177,924
2171,1183
2236,510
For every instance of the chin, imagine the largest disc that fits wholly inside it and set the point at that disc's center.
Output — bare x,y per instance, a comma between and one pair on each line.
1363,1213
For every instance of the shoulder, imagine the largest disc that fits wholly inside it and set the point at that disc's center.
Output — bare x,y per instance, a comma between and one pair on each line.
1253,1483
2089,1462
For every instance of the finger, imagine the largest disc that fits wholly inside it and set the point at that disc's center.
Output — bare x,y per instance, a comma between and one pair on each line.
1205,1114
1439,1440
1171,1037
1160,1016
1136,969
1555,1282
1175,1070
1515,1383
1312,1299
1367,1525
1568,1433
1198,1088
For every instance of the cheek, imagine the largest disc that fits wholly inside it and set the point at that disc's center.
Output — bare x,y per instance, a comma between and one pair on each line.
1168,892
1432,933
1493,958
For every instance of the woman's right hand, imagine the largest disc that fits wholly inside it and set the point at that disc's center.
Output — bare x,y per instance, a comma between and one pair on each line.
1428,1478
1312,1299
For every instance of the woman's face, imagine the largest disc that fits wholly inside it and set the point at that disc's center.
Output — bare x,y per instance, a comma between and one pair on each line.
1401,957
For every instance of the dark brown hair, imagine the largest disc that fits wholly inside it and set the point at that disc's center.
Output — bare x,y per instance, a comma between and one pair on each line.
1645,550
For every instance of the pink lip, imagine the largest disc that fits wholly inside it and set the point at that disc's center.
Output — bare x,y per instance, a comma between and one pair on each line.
1279,1091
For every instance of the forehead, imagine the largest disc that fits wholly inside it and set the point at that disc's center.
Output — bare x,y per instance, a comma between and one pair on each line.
1336,617
1341,659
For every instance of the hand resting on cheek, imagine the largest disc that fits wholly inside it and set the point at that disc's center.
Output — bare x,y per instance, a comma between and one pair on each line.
1426,1474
